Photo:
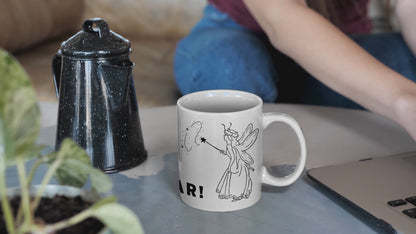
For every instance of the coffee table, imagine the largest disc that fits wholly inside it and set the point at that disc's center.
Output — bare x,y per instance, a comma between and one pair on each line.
333,135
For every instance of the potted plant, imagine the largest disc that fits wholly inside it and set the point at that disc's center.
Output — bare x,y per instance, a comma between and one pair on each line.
22,207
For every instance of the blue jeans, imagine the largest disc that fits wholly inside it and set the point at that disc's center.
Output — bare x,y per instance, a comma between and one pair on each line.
218,53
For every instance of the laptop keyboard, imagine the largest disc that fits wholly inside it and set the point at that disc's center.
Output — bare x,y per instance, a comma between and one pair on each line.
401,202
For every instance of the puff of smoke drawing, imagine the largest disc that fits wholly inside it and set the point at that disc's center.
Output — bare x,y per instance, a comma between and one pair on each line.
191,137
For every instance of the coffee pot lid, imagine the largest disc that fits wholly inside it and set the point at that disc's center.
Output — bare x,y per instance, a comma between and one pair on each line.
95,40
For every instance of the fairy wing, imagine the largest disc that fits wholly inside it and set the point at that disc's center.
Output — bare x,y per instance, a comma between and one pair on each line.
249,140
248,130
246,157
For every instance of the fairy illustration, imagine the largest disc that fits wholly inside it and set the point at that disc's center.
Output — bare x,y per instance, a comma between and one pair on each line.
236,182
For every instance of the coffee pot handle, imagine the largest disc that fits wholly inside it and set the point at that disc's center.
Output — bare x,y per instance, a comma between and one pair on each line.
56,72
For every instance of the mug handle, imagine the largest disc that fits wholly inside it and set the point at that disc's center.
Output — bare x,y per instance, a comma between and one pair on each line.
267,178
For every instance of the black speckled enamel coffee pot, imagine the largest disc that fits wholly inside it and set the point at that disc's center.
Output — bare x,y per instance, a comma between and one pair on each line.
97,103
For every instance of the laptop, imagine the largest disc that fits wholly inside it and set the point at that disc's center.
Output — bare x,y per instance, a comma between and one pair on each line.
382,188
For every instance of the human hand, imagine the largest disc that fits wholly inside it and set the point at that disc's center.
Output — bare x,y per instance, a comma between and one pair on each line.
406,114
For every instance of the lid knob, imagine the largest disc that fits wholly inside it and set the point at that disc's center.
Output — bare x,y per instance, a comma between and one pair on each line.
96,25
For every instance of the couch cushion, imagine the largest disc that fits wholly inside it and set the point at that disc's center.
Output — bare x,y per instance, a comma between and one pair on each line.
25,23
147,18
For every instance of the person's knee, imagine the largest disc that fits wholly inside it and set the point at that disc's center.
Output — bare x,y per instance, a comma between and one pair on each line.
232,59
182,67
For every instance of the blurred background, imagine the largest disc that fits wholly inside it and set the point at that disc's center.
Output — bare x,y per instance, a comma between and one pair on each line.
32,30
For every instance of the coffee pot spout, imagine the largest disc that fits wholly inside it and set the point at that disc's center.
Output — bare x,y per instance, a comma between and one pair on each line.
116,82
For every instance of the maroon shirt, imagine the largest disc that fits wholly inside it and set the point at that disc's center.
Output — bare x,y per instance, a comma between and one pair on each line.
349,20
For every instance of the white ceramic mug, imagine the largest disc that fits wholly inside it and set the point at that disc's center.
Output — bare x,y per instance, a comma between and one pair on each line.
221,149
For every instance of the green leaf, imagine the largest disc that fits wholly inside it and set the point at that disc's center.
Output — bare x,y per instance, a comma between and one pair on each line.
72,173
22,116
104,201
70,149
119,219
76,168
19,111
100,182
5,142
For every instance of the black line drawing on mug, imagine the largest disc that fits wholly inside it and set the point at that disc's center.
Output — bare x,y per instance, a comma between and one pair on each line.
236,182
191,137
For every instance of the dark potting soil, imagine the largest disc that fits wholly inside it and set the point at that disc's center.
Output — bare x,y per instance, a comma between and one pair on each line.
52,210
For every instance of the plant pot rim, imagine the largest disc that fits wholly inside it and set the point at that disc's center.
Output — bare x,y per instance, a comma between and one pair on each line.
61,190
